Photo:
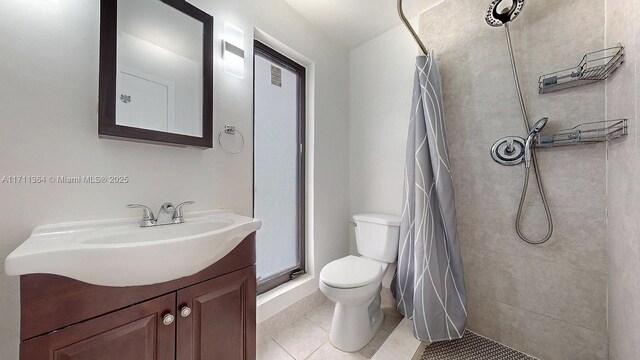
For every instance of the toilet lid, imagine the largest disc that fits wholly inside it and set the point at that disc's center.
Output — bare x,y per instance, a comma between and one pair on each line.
350,272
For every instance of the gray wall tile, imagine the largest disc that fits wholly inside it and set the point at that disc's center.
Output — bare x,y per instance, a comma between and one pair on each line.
623,187
563,283
500,322
551,339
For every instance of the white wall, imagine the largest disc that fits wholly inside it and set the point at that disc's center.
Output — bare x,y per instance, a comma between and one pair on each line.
380,92
48,112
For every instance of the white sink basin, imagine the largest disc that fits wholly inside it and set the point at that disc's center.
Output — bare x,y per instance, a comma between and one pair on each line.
121,253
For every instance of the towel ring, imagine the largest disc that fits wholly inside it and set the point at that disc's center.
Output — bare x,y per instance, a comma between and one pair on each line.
230,130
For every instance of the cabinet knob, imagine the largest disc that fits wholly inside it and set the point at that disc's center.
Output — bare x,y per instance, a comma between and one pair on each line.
168,319
185,311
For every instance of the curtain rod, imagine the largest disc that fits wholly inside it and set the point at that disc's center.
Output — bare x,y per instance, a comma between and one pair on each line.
413,32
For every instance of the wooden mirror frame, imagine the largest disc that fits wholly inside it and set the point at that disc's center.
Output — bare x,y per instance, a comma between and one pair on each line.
107,126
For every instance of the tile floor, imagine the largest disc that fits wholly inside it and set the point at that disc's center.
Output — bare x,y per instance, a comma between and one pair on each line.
401,344
309,338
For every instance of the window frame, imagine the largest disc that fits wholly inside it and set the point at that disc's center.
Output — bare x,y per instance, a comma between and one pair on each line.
263,50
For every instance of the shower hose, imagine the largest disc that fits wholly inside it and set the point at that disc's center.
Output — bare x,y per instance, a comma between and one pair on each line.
536,170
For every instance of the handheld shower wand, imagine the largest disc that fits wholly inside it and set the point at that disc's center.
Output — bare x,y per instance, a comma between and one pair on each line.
528,146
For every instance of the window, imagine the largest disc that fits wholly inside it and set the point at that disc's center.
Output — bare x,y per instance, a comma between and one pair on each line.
279,168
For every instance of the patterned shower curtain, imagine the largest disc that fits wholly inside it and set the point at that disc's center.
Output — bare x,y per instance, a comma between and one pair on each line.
429,284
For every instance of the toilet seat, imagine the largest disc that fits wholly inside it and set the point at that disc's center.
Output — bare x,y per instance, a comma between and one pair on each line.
351,272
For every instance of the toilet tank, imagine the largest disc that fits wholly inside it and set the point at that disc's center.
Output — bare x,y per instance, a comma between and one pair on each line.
377,236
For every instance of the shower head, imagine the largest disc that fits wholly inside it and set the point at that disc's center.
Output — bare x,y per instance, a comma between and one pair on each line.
539,125
498,18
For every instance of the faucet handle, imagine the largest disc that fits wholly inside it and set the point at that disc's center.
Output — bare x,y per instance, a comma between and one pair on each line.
178,214
147,214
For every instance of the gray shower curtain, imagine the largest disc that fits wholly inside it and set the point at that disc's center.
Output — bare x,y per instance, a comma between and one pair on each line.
429,284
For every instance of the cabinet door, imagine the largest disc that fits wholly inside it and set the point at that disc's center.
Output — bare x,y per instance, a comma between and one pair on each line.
222,322
134,333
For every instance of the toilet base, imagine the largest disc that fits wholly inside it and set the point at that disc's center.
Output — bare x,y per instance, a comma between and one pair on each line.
353,327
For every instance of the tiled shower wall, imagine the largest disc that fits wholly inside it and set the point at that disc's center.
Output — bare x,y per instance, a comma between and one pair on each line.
623,187
546,300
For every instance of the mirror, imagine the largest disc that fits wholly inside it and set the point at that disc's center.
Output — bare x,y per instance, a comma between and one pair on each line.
156,65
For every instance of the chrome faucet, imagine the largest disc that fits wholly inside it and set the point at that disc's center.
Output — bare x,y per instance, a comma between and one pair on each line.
167,215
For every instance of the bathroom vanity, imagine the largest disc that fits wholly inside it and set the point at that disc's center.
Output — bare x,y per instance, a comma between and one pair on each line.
209,315
122,289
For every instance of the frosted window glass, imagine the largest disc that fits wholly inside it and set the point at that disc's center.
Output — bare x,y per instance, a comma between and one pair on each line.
276,169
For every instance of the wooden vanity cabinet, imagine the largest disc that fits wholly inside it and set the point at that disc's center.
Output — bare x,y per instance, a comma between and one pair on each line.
217,326
136,332
207,316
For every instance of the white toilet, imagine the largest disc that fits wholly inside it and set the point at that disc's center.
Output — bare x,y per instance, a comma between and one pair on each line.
354,282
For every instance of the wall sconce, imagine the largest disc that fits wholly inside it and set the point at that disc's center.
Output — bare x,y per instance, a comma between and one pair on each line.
233,50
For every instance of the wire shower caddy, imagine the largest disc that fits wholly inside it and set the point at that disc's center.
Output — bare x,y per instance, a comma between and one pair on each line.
594,66
586,133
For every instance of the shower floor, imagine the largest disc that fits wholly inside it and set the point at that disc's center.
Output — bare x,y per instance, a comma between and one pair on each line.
471,347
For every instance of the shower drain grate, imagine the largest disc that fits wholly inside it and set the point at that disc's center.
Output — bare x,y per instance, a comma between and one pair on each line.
471,347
